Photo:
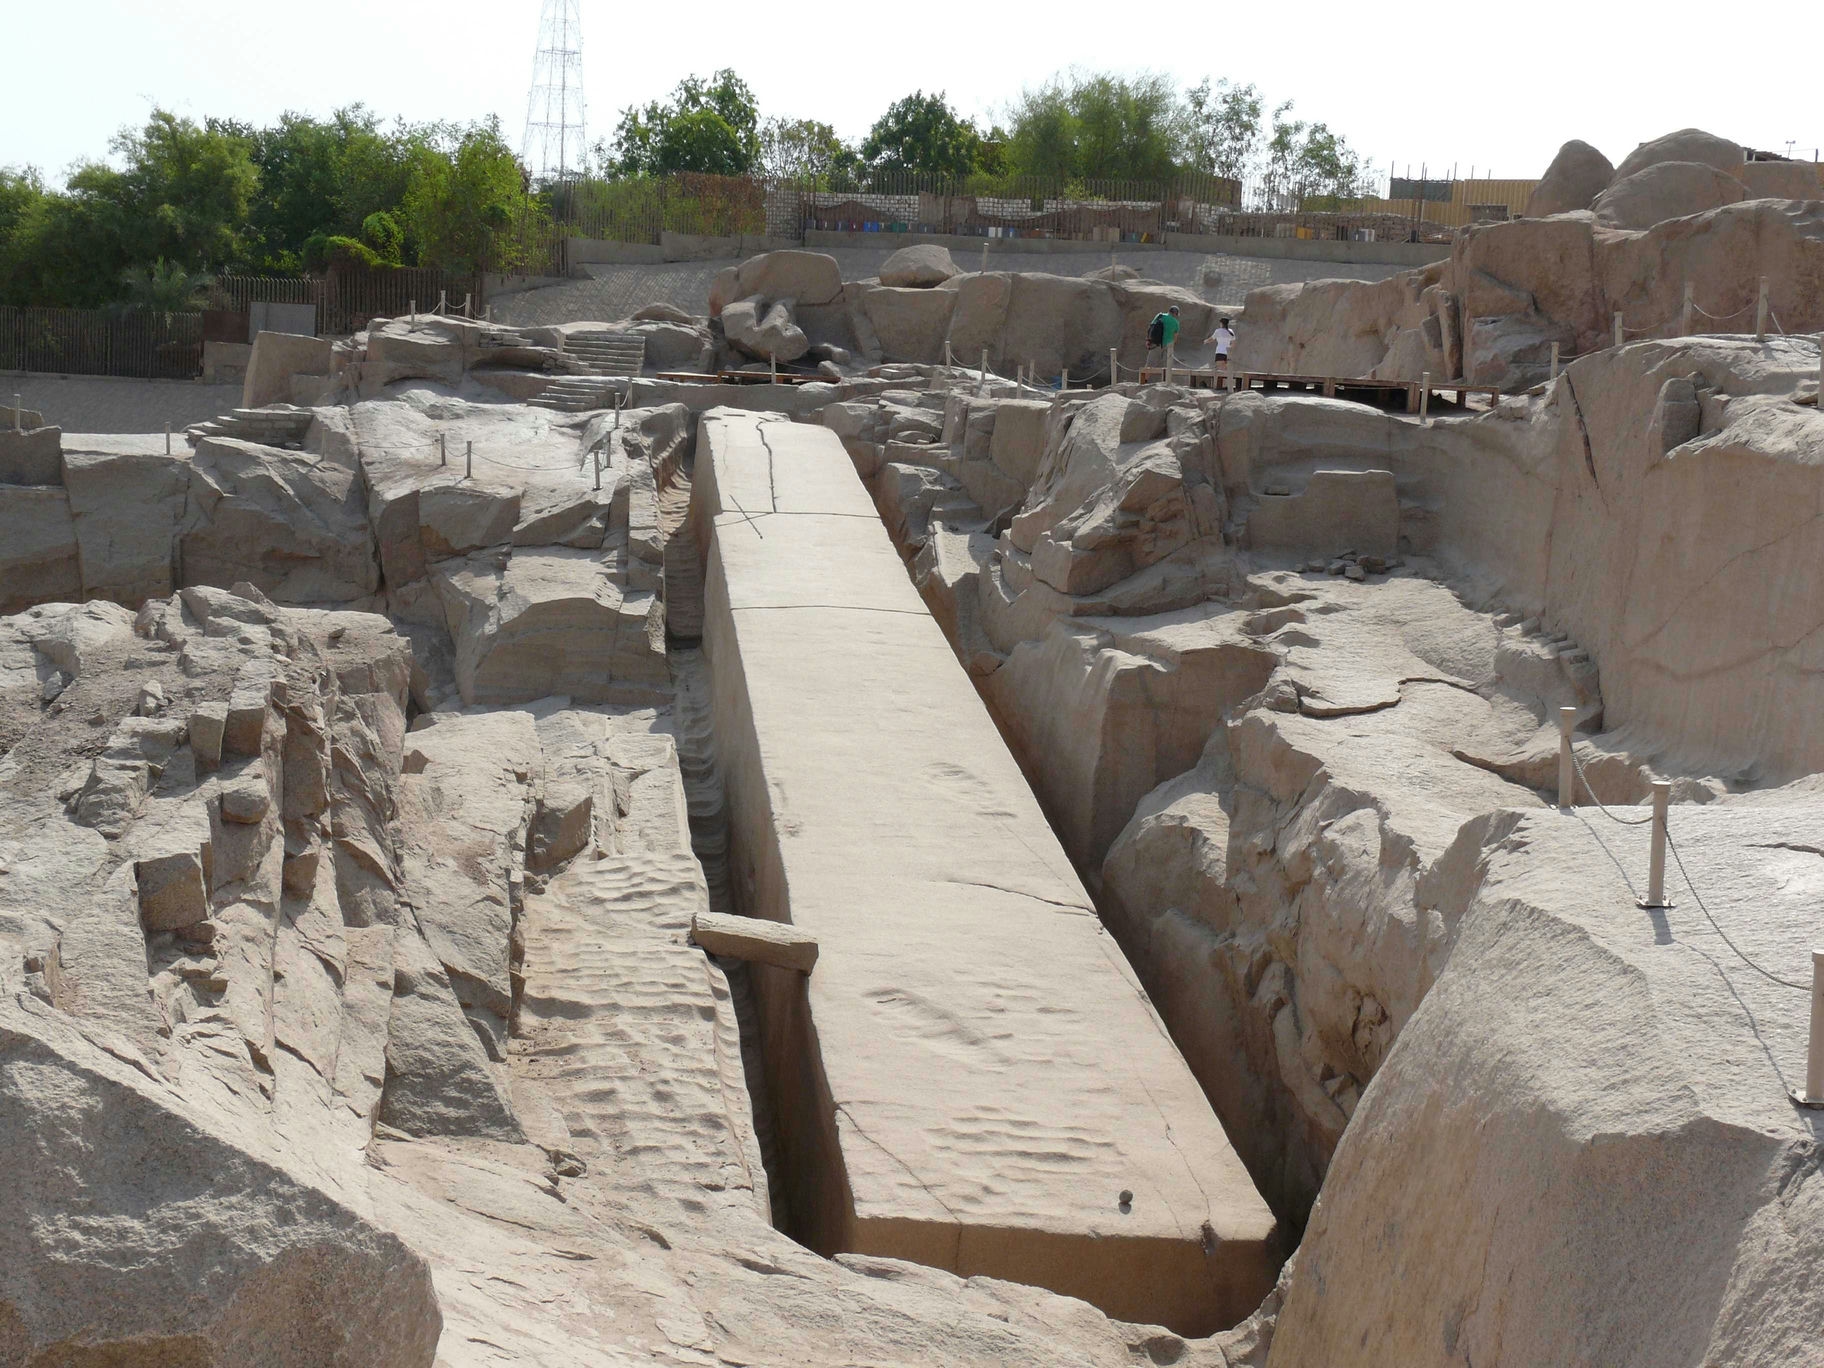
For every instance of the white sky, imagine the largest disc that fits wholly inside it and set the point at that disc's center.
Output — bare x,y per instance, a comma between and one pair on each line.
1496,86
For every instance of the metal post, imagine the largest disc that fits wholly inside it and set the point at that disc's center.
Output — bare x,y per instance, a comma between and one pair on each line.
443,450
1424,398
414,308
1760,312
1554,361
1618,334
984,257
1814,1054
774,359
468,470
1685,314
1656,858
1114,366
167,439
598,453
1567,767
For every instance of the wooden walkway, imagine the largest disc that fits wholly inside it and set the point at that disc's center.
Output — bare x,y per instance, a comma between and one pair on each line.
742,377
1384,394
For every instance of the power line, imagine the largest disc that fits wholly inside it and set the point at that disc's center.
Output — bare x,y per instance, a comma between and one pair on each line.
556,139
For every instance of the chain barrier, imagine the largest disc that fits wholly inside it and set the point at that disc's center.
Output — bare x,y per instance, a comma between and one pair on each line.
1590,789
1678,859
1672,846
1720,318
399,449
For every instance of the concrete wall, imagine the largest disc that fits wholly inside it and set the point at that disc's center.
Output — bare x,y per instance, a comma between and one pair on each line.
1278,249
580,251
298,320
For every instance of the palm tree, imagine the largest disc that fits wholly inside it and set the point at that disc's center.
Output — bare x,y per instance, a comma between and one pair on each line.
165,287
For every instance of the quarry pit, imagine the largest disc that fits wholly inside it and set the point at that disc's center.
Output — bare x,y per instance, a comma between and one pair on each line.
932,862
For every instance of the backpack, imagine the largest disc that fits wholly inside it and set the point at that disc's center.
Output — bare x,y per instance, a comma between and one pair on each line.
1155,331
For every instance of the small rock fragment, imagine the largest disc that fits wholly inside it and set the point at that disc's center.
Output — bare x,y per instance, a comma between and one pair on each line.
246,800
208,723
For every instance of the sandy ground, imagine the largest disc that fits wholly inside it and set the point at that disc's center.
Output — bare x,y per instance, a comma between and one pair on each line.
94,403
616,291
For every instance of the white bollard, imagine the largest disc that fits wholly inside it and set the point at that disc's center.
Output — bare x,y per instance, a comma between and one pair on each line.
1686,312
984,256
1168,364
1619,338
1656,858
1813,1096
167,439
1760,312
1567,767
413,304
774,360
1554,361
1424,398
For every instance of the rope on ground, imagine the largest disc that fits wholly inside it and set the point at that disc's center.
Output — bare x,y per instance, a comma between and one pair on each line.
1590,789
1695,897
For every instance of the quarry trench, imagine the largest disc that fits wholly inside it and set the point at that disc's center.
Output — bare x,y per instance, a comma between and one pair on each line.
1259,651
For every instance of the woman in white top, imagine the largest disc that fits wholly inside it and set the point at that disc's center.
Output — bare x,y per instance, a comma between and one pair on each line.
1224,338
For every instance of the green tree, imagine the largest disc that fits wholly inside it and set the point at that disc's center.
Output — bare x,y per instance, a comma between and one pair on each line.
322,177
1309,166
711,126
1222,128
163,287
463,199
183,193
805,150
922,134
1098,126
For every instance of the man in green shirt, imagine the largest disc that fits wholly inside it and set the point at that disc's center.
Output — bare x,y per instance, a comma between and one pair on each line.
1160,334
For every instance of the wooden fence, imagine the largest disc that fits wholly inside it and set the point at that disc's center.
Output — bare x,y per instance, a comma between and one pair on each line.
137,344
347,297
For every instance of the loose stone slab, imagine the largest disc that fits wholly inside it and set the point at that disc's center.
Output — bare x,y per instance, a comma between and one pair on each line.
756,940
973,1078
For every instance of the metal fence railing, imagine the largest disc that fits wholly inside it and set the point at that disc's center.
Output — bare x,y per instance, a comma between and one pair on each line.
643,209
138,343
